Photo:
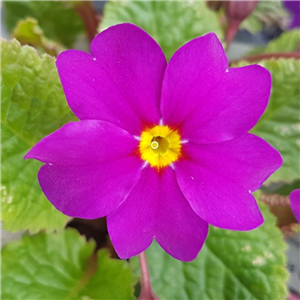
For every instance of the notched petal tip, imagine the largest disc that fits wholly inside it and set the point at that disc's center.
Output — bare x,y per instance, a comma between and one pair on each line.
279,159
260,76
260,222
190,253
211,35
273,155
210,41
31,154
120,30
264,72
125,253
248,225
124,25
66,58
27,155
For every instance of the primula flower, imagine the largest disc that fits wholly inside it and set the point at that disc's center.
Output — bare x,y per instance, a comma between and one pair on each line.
294,8
161,149
295,203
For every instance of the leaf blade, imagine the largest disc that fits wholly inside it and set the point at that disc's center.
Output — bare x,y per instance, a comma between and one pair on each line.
171,24
61,266
33,105
58,19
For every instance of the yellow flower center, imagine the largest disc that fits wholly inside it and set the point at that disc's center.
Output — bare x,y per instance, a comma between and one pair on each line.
160,146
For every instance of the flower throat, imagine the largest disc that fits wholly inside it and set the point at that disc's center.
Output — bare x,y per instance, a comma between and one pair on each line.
160,146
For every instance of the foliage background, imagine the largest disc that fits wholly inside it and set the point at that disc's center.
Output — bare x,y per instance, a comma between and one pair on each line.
55,262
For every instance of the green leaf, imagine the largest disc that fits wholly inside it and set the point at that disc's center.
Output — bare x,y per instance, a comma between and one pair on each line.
113,280
286,42
62,266
28,32
170,23
280,125
32,105
231,265
58,19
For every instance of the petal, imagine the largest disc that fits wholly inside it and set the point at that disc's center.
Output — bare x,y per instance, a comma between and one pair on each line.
180,232
91,191
157,208
215,198
232,108
84,143
295,203
131,226
120,82
292,6
136,63
247,160
193,71
295,20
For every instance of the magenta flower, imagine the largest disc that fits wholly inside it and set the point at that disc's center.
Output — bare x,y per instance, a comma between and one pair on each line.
294,8
295,203
161,149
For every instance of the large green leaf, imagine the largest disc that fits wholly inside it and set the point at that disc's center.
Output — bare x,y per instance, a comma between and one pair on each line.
113,280
170,23
231,266
280,125
58,19
286,42
61,266
32,106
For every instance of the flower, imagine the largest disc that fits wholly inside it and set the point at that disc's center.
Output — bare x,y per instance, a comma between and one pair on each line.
295,203
161,149
294,8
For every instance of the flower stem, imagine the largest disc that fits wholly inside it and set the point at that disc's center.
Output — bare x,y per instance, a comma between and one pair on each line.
258,57
146,288
231,31
89,17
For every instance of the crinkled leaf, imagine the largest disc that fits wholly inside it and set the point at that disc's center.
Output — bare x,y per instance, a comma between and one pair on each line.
232,265
62,266
280,124
267,13
113,280
170,23
286,42
28,32
32,105
58,19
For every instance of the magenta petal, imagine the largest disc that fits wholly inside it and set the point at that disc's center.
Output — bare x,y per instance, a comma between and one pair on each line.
193,71
247,160
156,207
215,198
295,203
232,108
292,6
136,64
295,21
86,142
180,232
131,226
91,191
120,82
